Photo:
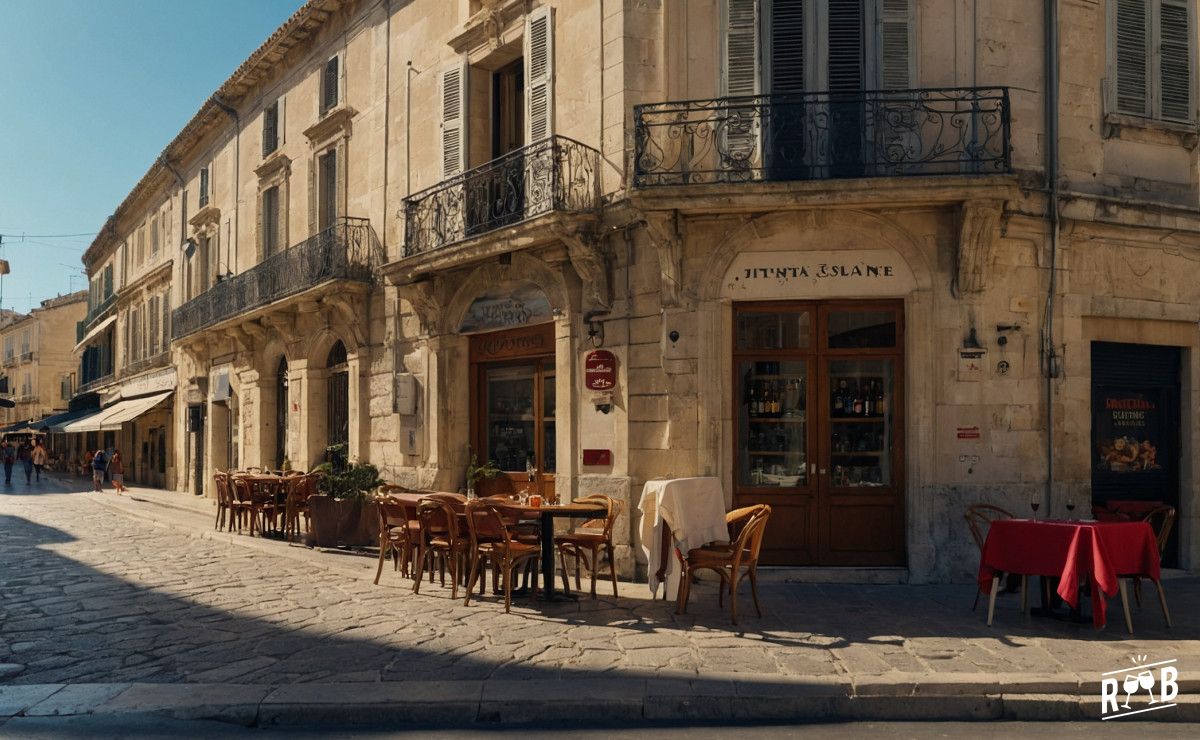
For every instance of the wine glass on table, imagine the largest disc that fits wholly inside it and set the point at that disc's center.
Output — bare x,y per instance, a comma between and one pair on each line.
1071,507
1034,504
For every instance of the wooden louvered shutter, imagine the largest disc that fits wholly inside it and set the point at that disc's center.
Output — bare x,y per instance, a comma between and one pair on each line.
539,75
1174,66
270,128
329,84
1131,47
155,332
787,60
895,57
741,48
845,50
454,109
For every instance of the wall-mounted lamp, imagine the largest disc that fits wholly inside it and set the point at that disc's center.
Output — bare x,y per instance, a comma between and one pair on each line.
595,328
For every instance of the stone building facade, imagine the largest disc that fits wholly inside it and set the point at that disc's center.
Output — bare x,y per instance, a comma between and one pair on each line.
37,360
851,257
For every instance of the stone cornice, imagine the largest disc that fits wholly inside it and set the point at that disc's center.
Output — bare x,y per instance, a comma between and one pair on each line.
276,162
490,26
334,124
209,214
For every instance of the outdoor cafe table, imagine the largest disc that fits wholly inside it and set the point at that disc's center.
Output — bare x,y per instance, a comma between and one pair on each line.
545,514
1072,551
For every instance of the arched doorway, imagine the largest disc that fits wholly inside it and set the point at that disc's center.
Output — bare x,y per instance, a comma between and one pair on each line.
338,417
281,411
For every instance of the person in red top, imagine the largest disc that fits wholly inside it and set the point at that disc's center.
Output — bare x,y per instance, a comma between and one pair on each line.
116,471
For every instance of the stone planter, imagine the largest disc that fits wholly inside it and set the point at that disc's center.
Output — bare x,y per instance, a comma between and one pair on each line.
342,522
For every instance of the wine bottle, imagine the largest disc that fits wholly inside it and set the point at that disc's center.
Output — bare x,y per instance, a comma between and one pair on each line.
880,403
857,403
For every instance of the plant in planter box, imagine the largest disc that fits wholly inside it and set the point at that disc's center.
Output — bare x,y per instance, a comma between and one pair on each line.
341,511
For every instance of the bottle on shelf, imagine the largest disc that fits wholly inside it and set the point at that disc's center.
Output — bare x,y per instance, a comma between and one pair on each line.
856,405
880,402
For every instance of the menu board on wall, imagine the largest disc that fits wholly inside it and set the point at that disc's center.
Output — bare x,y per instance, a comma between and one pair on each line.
1130,430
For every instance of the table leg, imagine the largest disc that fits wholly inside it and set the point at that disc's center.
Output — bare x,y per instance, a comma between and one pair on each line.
992,599
1024,595
1122,584
548,592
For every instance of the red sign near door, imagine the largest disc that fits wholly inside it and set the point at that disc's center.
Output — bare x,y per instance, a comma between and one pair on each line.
600,370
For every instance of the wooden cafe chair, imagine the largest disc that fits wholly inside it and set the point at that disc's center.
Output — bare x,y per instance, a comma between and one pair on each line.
1162,520
224,501
979,517
732,561
491,540
439,538
398,533
588,540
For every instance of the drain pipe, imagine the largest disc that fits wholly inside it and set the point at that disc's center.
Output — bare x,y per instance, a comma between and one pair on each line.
1050,367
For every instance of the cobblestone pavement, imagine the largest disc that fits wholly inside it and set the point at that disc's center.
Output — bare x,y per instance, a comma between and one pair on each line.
89,594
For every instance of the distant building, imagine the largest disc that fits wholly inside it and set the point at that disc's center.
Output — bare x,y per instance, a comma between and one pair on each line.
36,361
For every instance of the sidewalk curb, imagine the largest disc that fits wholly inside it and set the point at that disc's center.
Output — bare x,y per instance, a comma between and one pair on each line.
626,701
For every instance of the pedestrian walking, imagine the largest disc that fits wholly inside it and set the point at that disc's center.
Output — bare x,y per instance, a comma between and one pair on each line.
25,457
99,465
40,458
116,472
9,455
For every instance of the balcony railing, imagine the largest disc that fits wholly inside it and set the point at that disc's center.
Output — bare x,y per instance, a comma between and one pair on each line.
816,136
25,357
155,360
347,250
96,311
94,383
554,174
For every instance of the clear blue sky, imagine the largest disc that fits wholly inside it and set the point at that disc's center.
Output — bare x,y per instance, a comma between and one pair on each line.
92,91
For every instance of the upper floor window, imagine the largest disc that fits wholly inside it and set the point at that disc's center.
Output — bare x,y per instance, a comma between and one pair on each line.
66,386
270,221
108,281
777,47
330,84
153,237
8,348
271,128
25,342
203,186
140,250
1152,50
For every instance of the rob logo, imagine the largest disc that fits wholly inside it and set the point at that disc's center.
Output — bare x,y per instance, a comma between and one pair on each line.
1162,676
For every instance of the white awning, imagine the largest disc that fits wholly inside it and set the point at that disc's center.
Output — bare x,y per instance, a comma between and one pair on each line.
96,330
116,415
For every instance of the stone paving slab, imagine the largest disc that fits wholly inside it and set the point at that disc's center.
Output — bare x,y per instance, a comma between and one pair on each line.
142,608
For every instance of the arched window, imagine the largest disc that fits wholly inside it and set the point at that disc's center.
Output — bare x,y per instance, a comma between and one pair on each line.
339,395
281,411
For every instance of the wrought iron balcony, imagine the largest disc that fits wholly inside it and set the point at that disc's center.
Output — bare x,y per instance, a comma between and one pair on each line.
159,359
94,383
98,310
554,174
347,250
817,136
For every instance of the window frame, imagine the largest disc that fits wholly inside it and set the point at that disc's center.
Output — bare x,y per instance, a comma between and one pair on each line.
1152,103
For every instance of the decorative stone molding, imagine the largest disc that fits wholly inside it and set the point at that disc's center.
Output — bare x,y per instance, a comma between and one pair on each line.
422,296
334,124
666,232
590,263
209,215
979,223
351,311
491,26
276,163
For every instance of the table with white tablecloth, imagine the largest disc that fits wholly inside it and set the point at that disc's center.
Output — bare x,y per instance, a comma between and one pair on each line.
692,510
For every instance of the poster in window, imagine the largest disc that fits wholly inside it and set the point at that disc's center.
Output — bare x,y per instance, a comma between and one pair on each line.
1129,431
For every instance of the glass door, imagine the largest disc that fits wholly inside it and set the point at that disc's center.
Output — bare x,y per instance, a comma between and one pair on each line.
518,403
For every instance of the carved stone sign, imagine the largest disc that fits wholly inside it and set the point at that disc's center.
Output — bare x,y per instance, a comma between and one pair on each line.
821,274
506,306
600,370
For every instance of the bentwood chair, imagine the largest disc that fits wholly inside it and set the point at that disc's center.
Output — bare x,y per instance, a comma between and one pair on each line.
299,488
1161,519
979,517
439,538
587,541
732,561
240,503
224,499
492,540
398,533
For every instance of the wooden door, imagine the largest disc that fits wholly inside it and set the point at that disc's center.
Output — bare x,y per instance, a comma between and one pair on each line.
513,408
820,429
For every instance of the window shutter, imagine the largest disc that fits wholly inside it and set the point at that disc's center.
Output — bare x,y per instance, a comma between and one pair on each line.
329,86
539,75
845,46
154,236
270,128
1131,53
454,104
787,58
166,319
1174,69
155,333
203,187
895,58
741,48
281,120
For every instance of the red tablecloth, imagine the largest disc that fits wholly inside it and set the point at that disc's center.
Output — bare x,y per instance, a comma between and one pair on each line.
1072,551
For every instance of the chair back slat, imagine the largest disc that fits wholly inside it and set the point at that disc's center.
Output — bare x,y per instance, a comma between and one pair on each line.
1161,520
979,517
486,523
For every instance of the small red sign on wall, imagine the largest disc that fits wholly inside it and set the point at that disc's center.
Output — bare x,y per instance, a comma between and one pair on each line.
597,457
600,370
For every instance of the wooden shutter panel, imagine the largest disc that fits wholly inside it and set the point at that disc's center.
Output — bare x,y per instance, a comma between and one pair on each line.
270,128
454,105
329,86
787,47
539,75
845,46
1132,73
895,57
155,334
166,319
741,48
1174,69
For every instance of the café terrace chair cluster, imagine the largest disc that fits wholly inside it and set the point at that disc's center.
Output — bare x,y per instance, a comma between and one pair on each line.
258,500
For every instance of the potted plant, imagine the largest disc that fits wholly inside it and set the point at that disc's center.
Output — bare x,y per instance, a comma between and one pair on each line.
477,472
341,511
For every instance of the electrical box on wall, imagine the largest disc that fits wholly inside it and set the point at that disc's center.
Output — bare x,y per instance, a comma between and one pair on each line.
406,394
